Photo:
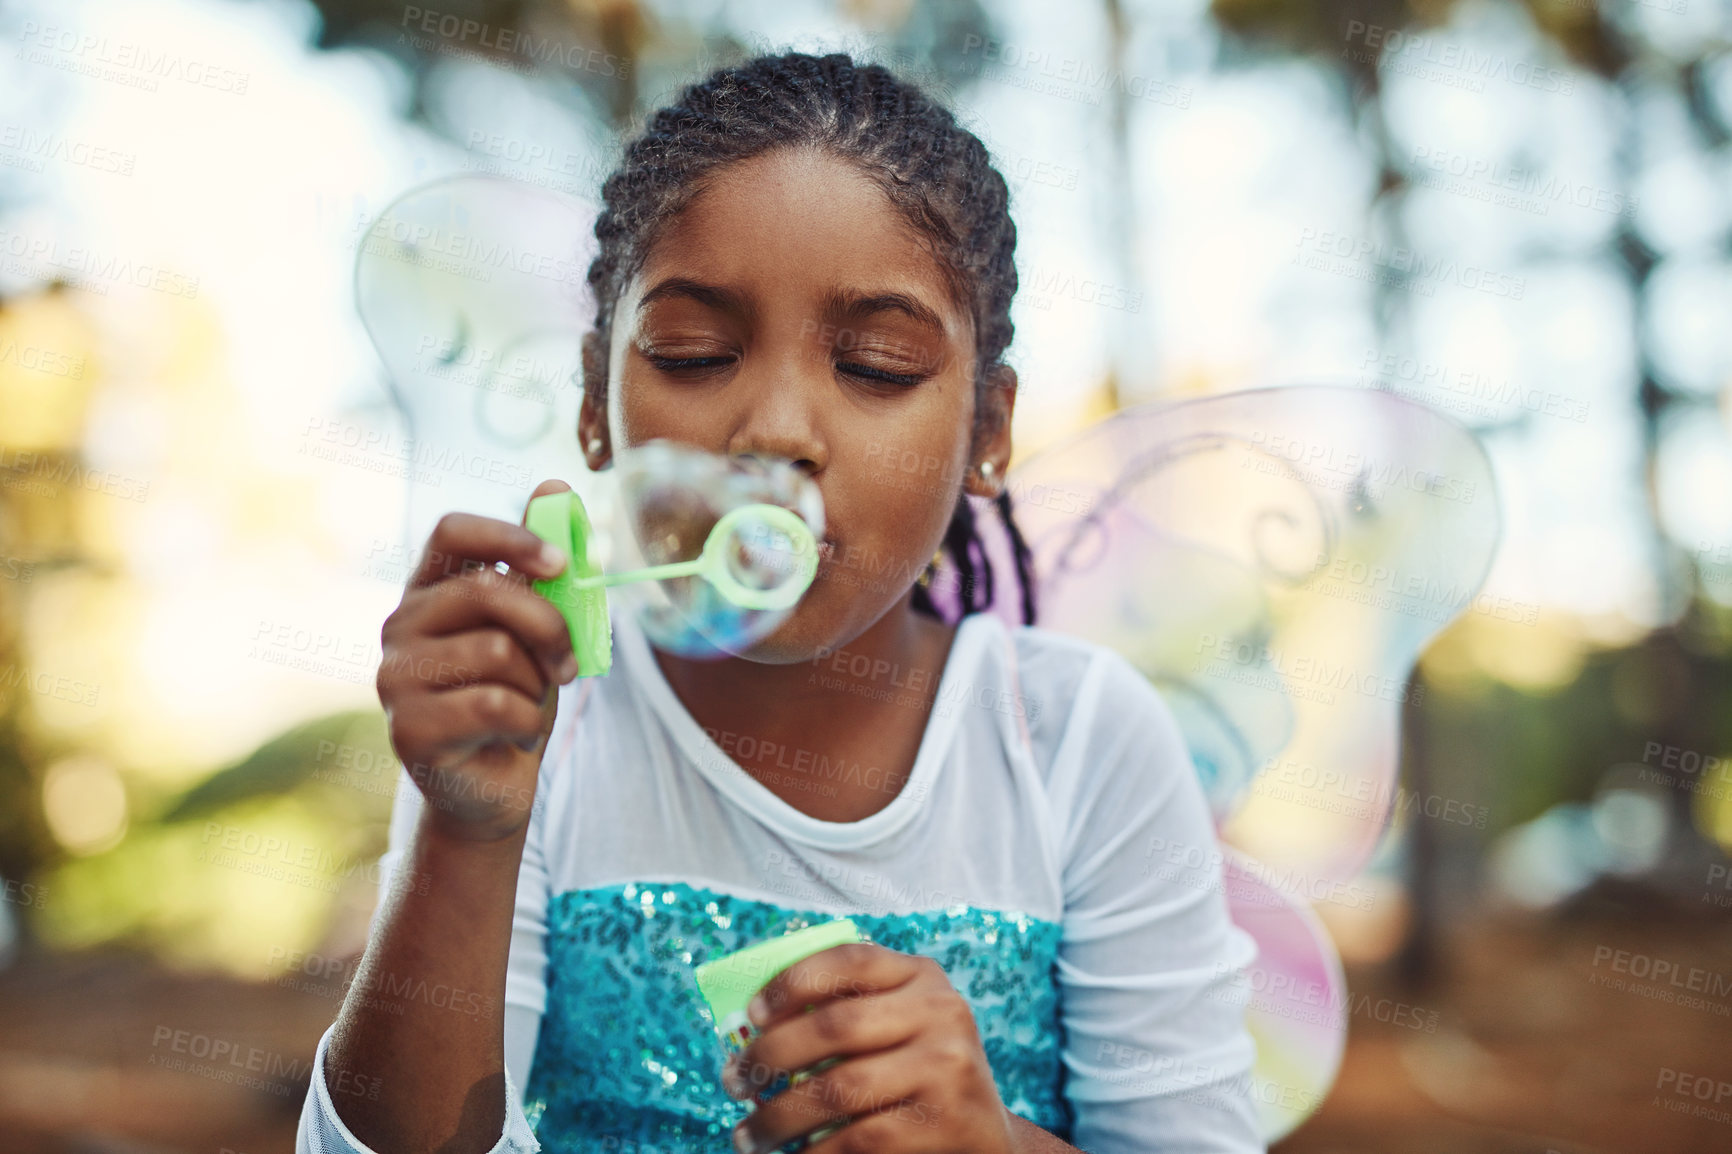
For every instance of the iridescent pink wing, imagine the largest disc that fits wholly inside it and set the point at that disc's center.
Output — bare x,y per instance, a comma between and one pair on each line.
1296,1005
1273,561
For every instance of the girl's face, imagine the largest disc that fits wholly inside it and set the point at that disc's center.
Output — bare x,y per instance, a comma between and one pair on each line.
792,311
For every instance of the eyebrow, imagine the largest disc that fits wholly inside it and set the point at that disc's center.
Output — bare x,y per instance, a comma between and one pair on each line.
713,296
838,304
841,305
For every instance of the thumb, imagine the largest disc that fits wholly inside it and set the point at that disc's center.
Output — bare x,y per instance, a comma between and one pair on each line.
552,485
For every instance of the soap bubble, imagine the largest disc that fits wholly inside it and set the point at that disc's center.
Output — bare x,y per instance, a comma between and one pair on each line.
671,497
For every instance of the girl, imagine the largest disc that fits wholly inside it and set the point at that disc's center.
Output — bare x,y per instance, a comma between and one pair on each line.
809,260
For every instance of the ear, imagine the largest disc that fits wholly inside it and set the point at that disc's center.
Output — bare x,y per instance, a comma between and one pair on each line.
592,436
992,434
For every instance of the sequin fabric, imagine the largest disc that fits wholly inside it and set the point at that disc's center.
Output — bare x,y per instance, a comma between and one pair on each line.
628,1059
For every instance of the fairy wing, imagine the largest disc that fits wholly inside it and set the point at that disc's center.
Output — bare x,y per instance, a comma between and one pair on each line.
1296,1008
473,290
1273,561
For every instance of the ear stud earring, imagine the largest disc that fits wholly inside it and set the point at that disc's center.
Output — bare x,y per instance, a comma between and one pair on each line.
594,446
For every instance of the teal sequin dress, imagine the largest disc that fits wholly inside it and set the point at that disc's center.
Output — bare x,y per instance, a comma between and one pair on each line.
628,1059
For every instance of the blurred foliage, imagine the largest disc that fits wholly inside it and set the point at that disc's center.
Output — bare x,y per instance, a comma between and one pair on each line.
1520,750
657,49
1520,718
269,872
620,28
40,534
1318,27
260,851
283,764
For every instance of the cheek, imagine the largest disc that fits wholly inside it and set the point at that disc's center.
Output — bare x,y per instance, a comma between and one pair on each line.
899,487
639,412
641,408
915,491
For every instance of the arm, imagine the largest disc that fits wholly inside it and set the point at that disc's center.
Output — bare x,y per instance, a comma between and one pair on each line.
322,1131
1155,1039
1027,1138
472,662
439,1073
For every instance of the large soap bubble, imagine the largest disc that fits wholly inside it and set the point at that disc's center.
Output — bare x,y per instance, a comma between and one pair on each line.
746,528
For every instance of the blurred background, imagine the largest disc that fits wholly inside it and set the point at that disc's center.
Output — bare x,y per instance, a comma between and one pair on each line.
1517,213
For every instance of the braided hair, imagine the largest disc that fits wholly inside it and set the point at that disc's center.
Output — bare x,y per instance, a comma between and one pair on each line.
932,169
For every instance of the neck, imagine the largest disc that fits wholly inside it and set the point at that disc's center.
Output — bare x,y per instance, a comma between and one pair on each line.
900,655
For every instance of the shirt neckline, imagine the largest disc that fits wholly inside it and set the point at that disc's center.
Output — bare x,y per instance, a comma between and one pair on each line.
745,791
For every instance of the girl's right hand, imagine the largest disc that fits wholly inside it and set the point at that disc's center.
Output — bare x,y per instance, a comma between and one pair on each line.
473,660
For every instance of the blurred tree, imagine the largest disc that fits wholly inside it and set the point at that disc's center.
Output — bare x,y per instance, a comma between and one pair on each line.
284,763
41,465
654,47
1538,751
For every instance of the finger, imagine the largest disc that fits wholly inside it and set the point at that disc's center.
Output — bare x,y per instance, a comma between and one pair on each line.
840,1028
552,485
462,540
457,722
461,659
484,599
888,1129
851,1089
838,972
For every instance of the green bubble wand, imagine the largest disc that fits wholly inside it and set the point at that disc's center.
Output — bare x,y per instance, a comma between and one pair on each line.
580,593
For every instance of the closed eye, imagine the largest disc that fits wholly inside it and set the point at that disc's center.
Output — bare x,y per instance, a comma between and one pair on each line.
699,365
868,373
687,364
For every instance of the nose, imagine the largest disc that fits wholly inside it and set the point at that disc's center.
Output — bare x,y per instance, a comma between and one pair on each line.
779,419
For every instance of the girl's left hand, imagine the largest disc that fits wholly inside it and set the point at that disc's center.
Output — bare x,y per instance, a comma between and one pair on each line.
911,1072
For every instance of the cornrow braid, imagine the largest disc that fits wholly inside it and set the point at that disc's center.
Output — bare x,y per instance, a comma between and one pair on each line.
937,173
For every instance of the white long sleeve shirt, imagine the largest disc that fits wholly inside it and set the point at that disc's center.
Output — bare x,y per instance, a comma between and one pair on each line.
1021,853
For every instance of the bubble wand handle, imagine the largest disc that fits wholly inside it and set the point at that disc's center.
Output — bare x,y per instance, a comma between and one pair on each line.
691,568
561,520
